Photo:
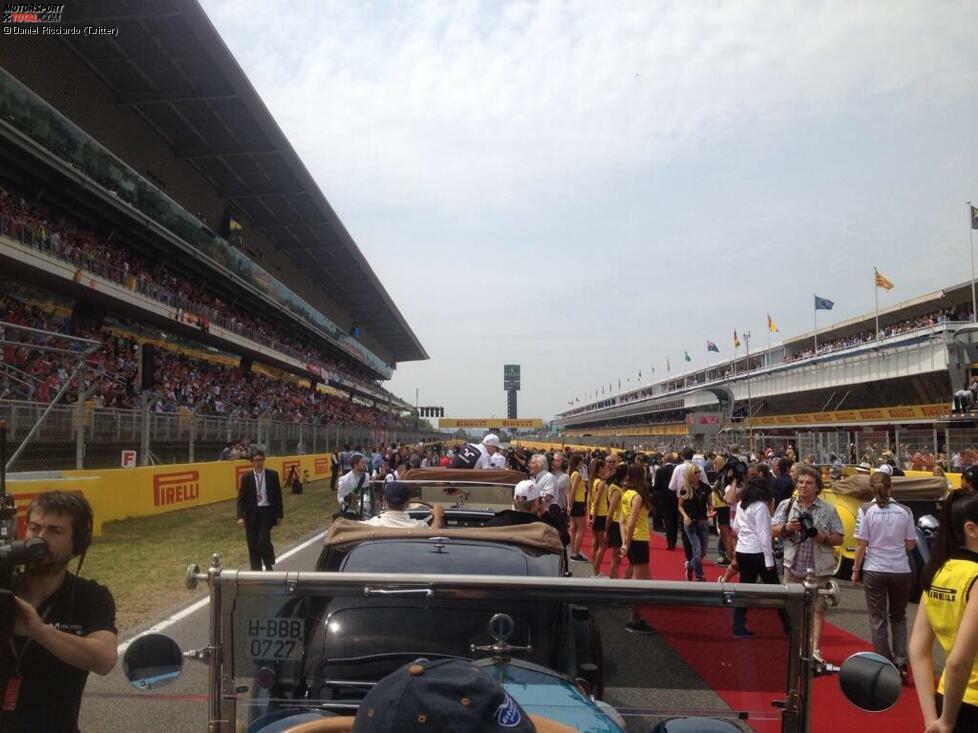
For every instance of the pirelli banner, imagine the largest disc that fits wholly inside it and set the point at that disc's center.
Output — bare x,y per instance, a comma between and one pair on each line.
490,422
901,413
118,493
663,429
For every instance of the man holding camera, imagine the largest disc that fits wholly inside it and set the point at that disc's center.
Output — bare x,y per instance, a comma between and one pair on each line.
64,626
809,528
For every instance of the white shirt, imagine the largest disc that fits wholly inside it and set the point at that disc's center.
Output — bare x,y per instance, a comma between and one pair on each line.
484,457
395,518
260,490
392,476
886,531
347,483
563,486
678,479
497,460
753,529
547,484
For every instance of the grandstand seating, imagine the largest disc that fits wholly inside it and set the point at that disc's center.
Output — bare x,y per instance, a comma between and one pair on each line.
184,380
56,234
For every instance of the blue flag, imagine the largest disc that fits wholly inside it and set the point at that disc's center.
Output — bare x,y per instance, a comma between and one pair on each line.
823,304
710,346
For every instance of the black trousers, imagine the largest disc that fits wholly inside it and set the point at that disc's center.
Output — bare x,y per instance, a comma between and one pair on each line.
669,509
334,478
752,569
967,715
258,532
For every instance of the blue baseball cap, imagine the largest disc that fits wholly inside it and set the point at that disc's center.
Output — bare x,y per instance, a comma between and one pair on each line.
445,695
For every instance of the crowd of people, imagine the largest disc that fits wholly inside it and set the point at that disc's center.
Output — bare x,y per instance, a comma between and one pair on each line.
54,233
182,382
935,318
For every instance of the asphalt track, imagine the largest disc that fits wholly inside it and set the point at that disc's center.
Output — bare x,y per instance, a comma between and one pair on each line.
691,668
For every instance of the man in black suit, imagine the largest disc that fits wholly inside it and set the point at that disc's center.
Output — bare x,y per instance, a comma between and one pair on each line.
260,509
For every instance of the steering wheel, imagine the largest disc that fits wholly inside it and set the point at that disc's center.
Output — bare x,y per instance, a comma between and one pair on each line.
415,503
340,724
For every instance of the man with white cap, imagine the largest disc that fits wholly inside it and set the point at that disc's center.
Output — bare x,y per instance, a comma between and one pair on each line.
491,454
479,455
527,505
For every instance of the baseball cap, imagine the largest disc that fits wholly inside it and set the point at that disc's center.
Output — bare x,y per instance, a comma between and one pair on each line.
885,468
448,694
492,440
527,490
396,493
970,474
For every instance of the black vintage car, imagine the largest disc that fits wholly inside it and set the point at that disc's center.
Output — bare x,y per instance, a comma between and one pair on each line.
364,639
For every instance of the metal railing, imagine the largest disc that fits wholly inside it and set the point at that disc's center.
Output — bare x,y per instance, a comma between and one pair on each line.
182,437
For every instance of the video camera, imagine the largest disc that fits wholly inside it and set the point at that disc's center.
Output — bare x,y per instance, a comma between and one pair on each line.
13,553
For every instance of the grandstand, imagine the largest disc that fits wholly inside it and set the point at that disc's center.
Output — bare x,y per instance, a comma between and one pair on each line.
148,198
854,396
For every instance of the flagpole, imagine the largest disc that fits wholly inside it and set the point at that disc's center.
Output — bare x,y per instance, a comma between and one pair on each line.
971,239
876,295
815,318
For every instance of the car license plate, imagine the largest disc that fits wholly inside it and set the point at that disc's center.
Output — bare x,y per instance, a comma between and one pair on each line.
275,638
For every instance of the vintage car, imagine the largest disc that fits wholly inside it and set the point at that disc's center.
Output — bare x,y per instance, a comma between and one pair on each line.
563,636
280,661
921,495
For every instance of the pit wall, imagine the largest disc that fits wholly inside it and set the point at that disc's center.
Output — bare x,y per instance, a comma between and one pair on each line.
120,493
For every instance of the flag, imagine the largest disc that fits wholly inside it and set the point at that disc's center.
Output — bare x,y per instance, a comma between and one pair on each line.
736,341
882,282
974,217
687,356
771,326
619,383
639,373
668,367
710,346
823,304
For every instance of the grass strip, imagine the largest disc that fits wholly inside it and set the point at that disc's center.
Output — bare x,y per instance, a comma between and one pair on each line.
143,560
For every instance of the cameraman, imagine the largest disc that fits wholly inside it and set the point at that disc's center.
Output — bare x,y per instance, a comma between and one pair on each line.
64,628
810,528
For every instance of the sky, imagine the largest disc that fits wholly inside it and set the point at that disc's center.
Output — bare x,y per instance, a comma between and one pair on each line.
587,188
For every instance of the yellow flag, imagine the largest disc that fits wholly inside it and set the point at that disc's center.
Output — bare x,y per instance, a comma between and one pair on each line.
882,282
771,325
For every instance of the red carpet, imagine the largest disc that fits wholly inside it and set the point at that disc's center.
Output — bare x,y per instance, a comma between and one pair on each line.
749,673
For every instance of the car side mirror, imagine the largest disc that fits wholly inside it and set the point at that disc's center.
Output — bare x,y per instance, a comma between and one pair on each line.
152,661
870,681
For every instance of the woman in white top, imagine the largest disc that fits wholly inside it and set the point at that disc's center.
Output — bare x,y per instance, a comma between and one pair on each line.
755,547
884,534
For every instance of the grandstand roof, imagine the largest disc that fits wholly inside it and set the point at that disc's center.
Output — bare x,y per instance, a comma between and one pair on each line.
169,63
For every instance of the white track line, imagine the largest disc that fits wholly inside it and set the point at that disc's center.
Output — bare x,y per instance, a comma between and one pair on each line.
197,605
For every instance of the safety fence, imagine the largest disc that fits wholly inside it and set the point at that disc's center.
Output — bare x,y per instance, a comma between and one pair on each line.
76,436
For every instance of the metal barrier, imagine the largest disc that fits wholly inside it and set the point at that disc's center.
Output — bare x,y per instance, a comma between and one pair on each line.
94,437
961,447
916,449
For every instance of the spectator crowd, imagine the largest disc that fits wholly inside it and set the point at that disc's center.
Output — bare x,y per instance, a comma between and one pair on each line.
48,231
182,382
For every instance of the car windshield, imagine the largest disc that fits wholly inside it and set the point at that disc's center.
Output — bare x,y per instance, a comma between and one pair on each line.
317,644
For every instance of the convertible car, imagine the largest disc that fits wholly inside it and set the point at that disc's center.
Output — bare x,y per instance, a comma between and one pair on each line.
367,638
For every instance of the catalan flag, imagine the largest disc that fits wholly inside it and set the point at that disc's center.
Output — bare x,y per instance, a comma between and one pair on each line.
736,341
771,326
882,282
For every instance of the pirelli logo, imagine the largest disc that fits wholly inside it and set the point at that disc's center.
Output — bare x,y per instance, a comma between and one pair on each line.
176,488
322,466
939,593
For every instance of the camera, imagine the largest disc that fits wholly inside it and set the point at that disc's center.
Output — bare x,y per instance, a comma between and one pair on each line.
807,522
13,553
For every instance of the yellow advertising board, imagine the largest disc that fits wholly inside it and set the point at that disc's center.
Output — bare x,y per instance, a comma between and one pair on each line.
663,429
848,417
489,422
119,493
